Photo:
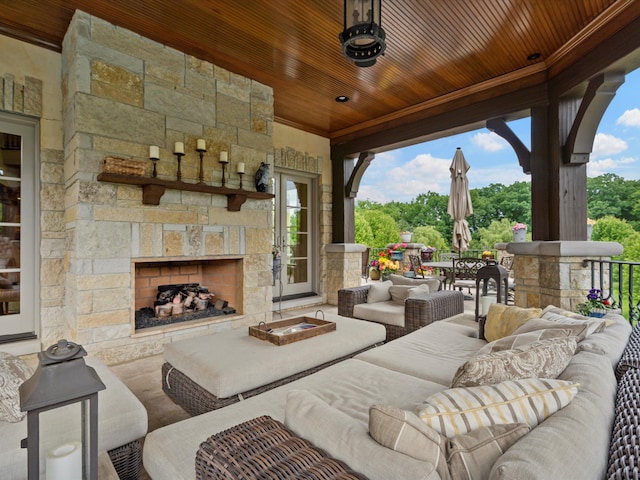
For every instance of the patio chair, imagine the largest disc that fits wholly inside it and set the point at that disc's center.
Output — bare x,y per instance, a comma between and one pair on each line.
416,265
465,271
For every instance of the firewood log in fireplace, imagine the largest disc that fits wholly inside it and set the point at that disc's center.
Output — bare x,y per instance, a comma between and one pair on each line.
183,298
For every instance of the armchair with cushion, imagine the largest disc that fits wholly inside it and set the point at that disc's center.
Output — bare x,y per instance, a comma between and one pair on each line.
401,304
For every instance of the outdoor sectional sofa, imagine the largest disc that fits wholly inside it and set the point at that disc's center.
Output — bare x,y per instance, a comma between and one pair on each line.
339,409
122,423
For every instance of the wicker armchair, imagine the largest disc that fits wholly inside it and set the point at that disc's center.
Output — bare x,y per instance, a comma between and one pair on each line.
418,311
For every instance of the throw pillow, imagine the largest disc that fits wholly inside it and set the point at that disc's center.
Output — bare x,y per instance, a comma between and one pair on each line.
503,320
420,290
540,359
379,292
472,456
13,372
555,314
520,339
460,410
540,324
464,457
434,283
399,293
404,432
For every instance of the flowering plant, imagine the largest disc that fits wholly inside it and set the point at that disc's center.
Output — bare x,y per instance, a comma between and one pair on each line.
594,302
519,226
387,265
275,252
406,232
398,247
428,249
375,264
487,253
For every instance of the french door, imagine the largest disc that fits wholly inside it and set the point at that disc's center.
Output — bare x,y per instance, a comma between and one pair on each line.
293,236
19,292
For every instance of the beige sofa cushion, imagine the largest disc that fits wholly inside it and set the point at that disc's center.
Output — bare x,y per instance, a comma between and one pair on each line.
520,339
388,313
538,325
379,292
464,457
540,359
503,320
565,317
434,282
460,410
348,440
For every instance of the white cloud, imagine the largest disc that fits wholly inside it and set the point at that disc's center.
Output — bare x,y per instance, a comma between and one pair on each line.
608,165
605,144
630,118
489,142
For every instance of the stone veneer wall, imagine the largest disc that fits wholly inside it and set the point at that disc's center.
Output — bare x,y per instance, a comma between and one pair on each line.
122,93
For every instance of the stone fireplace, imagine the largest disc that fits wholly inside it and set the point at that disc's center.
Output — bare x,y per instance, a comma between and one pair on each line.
222,278
123,93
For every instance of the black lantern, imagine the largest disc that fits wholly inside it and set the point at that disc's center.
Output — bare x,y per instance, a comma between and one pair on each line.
500,276
63,378
363,38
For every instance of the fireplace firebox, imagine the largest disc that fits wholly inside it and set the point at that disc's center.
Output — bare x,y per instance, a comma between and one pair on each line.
175,293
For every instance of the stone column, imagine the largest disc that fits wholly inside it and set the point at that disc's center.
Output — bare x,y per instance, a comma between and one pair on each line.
344,268
552,273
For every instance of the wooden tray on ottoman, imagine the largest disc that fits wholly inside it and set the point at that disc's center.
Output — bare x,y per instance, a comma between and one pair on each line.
266,331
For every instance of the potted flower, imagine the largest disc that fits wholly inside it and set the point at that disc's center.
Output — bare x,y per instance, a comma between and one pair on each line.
595,305
388,266
397,251
487,255
519,232
374,270
405,236
426,253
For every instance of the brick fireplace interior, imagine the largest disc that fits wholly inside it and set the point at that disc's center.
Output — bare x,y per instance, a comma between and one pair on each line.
222,276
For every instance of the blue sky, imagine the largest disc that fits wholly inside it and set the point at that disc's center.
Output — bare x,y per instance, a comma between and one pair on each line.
403,174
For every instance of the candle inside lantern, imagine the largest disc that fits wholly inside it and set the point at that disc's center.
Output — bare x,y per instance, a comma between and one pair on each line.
201,144
154,152
224,157
178,147
241,167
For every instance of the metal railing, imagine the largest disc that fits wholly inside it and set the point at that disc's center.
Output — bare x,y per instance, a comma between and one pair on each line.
617,280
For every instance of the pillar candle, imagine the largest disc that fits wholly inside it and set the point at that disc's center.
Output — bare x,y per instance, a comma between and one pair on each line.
487,300
224,157
154,151
64,462
201,144
241,167
178,147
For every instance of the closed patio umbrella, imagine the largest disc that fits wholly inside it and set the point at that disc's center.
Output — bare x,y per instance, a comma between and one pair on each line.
460,201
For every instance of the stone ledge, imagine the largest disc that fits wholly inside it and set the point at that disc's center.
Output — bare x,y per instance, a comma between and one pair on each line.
345,248
565,248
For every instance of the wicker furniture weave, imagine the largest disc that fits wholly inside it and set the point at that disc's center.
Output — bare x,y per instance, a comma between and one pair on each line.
418,311
127,460
263,448
196,400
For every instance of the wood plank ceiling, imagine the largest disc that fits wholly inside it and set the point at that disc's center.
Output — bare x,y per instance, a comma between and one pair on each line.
437,50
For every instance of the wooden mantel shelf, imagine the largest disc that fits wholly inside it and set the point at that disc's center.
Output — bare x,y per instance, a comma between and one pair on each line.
154,188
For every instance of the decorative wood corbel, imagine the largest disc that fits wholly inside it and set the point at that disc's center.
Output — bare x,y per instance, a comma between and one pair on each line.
364,159
600,91
500,127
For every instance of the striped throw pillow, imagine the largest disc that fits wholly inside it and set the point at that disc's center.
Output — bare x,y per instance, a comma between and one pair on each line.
460,410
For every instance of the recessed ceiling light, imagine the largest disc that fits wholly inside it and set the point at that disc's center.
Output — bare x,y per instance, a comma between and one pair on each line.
533,56
342,99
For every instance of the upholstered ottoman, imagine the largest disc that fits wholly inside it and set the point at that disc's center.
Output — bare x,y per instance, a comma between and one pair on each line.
212,371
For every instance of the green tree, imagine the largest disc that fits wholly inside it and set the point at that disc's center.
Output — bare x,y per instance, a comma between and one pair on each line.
498,231
364,234
384,228
612,195
430,237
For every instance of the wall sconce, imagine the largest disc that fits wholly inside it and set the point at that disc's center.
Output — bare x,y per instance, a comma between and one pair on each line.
363,38
62,378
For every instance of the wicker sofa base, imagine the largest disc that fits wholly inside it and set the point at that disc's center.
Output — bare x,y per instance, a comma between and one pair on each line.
196,400
264,448
127,460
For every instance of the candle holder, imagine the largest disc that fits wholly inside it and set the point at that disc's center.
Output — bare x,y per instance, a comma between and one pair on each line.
154,174
240,174
201,175
179,172
223,174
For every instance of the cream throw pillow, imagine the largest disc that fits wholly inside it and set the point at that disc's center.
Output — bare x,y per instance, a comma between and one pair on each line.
460,410
521,339
13,372
503,320
565,317
538,325
379,292
539,359
464,457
